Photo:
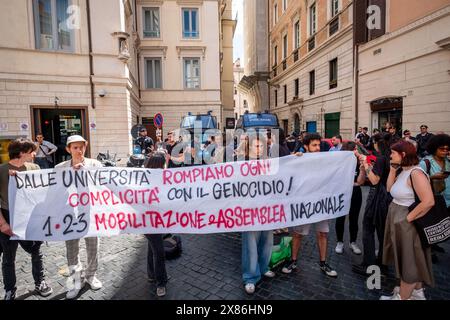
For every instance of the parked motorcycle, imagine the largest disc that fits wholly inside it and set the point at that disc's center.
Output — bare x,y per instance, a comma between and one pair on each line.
106,159
137,159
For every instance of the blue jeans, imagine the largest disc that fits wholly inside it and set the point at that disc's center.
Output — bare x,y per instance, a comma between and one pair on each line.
42,163
256,252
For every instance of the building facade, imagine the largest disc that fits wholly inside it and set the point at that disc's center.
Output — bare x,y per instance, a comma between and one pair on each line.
98,68
228,28
256,56
240,99
404,65
311,57
63,73
185,62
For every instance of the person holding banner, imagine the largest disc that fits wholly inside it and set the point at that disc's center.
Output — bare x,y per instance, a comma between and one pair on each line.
311,143
156,264
256,245
21,152
76,147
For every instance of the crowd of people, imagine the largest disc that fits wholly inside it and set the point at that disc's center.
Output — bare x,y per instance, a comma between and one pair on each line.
396,169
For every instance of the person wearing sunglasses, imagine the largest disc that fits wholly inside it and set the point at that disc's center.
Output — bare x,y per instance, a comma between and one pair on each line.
437,165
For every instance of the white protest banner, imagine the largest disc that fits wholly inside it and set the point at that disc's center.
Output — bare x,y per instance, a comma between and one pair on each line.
63,204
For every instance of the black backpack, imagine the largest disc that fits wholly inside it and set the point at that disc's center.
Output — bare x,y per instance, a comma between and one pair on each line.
172,246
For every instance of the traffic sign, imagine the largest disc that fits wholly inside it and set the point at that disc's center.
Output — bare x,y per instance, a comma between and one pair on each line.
158,120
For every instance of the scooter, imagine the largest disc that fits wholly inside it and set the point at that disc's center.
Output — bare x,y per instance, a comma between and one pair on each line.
137,159
106,159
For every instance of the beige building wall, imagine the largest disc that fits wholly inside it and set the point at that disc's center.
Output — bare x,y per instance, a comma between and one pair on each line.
240,98
256,55
31,77
228,27
411,61
173,100
299,62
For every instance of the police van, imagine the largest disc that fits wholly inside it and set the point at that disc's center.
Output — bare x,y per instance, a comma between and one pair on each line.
194,129
258,121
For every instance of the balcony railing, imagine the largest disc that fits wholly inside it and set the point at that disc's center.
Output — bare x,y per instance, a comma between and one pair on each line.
296,55
333,84
151,33
334,26
317,39
312,43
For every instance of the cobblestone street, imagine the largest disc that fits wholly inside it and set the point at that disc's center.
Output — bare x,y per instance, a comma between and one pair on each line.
210,268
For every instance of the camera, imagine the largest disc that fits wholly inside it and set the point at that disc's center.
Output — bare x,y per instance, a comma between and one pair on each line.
102,93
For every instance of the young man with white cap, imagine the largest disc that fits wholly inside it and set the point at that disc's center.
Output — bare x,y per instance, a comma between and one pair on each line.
76,147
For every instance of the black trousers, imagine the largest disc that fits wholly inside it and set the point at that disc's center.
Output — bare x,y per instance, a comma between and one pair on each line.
353,217
372,225
9,248
156,264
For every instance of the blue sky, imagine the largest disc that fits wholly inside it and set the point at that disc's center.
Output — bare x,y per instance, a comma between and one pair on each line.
238,41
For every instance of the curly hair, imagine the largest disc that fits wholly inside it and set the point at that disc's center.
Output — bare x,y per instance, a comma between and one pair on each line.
439,140
20,145
311,137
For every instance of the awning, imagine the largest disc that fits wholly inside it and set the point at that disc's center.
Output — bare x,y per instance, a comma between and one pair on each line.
387,103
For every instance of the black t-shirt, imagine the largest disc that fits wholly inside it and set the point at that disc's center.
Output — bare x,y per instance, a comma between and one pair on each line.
145,143
324,146
422,142
169,151
381,168
364,139
356,173
284,150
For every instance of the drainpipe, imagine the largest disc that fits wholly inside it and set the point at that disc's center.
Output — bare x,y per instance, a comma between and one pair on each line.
91,64
356,86
138,52
268,56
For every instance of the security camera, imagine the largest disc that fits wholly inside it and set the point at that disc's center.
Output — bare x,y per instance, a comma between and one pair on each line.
102,93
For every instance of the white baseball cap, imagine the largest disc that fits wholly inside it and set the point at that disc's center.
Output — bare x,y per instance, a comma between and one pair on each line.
75,138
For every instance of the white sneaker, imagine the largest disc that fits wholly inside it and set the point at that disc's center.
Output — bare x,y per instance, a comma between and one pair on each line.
356,250
94,283
73,293
250,288
418,294
269,274
339,248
